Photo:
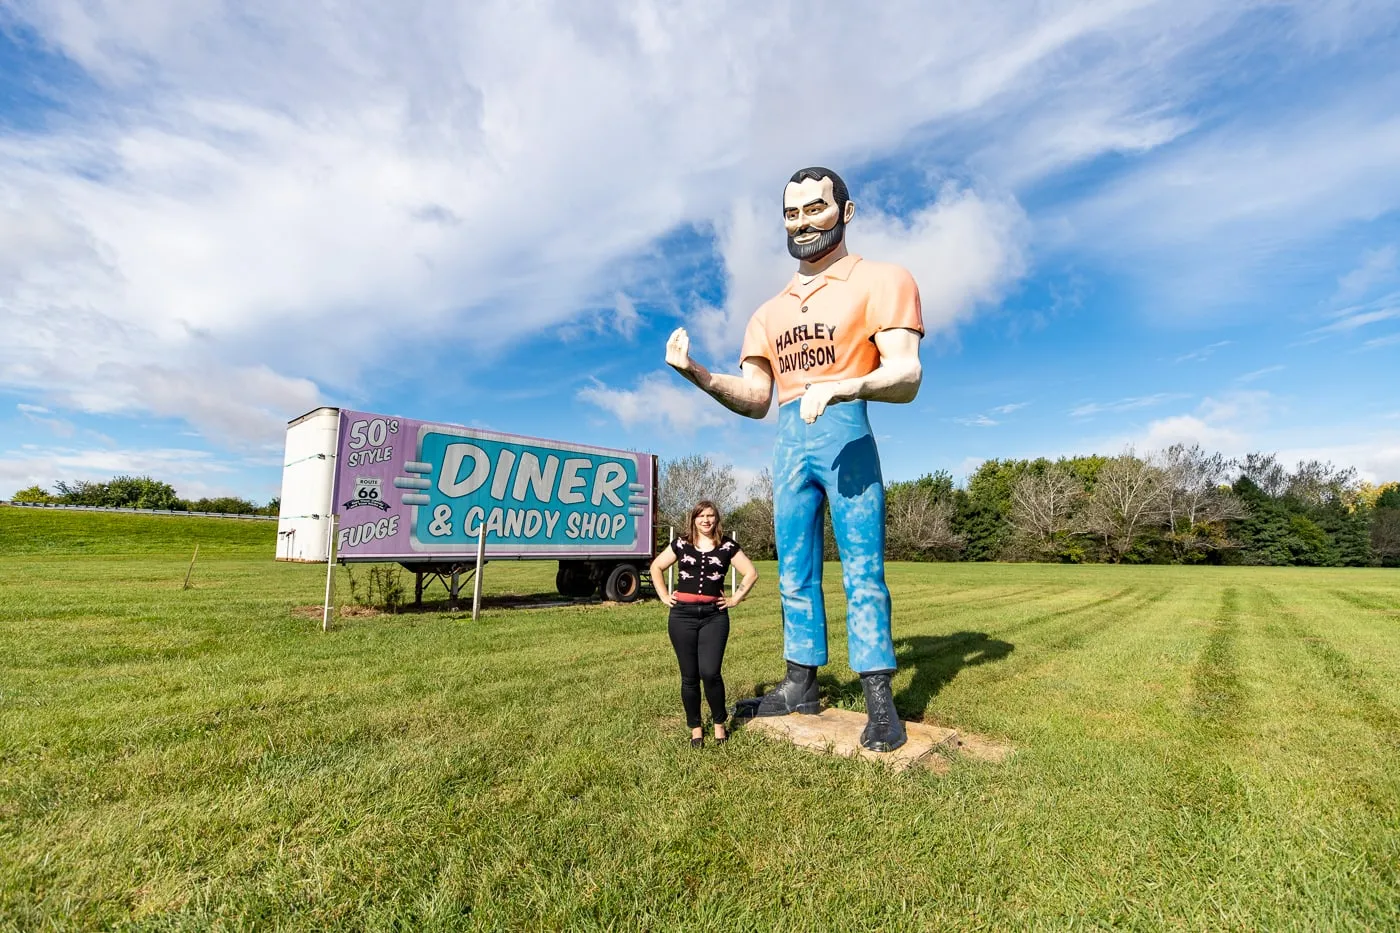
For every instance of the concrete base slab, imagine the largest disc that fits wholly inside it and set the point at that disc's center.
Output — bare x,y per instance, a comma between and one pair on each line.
837,731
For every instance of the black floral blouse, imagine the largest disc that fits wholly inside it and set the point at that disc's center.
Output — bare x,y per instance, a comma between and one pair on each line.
702,572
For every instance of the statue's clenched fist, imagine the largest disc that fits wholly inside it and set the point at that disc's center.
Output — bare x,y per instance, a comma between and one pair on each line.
678,350
816,399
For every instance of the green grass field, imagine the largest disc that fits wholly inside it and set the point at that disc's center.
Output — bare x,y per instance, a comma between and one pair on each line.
1196,748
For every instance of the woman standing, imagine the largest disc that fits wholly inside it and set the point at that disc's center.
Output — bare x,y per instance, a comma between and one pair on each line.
699,622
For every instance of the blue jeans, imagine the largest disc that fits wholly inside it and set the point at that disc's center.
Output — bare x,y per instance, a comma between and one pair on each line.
832,460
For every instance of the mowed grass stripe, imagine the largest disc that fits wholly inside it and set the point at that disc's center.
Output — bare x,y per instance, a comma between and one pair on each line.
1218,694
1347,677
1366,634
1326,775
1369,600
1032,671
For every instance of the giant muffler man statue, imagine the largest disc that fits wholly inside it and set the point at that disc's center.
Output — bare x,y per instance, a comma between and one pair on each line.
843,332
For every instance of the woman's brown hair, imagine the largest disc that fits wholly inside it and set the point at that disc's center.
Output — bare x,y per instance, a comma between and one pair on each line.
701,506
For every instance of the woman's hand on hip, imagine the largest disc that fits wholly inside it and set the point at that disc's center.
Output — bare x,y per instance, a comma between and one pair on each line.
668,598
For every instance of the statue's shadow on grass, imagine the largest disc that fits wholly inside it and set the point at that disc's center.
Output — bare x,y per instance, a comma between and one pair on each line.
936,660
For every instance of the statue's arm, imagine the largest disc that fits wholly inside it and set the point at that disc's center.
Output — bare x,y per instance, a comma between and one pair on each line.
899,374
896,379
749,394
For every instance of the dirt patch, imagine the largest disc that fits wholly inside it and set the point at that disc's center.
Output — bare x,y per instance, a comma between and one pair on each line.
979,748
342,612
464,604
520,601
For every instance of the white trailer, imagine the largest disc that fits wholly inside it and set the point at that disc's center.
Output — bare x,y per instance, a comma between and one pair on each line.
308,472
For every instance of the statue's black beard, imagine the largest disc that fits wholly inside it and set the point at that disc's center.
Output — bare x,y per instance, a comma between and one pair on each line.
828,241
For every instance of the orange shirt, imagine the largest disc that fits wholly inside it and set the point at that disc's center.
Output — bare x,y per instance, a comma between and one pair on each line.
825,330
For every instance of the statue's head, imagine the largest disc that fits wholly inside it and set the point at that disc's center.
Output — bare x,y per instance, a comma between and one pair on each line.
816,209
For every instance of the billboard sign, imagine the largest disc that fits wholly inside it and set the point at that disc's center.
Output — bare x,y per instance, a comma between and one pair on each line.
414,490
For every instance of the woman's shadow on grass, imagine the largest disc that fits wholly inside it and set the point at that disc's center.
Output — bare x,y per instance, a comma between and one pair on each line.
936,660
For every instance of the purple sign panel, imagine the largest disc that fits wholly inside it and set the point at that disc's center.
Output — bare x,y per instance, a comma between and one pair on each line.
413,490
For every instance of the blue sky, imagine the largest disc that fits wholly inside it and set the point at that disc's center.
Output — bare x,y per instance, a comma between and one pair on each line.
1132,223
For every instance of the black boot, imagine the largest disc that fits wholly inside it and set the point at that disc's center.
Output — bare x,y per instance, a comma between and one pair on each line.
883,731
796,694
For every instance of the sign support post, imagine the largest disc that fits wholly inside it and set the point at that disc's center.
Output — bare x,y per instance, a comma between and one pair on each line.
476,583
328,610
733,575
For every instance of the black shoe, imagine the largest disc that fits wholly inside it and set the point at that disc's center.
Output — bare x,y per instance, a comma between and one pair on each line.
883,731
697,741
721,739
796,694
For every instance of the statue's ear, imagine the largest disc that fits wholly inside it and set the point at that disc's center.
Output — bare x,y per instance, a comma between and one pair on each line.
849,212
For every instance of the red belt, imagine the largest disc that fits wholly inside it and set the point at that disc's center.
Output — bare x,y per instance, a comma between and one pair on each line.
693,597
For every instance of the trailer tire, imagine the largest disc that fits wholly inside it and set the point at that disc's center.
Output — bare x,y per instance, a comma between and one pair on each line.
624,583
574,580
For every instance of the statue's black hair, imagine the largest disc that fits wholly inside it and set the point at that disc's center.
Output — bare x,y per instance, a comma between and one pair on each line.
817,173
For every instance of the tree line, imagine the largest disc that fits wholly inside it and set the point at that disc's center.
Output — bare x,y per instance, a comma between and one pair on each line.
1184,505
140,492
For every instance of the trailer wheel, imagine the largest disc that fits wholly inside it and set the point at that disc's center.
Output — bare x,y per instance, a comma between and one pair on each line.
574,580
624,584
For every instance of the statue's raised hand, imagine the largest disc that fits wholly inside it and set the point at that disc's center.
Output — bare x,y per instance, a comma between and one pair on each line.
678,350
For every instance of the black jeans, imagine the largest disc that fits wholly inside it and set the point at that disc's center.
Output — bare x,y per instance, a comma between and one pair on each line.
698,633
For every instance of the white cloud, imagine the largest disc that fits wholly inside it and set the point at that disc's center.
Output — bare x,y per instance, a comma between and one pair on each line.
1125,404
1204,353
1260,373
1238,422
657,401
1377,267
1190,429
1376,343
625,316
1229,422
1239,207
59,426
193,473
964,250
1008,409
264,199
293,192
1351,322
1377,460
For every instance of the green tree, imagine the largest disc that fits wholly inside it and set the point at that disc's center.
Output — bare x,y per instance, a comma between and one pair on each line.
985,529
140,492
121,492
228,505
1086,468
1273,534
1263,533
33,493
81,492
983,516
1349,533
1385,536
